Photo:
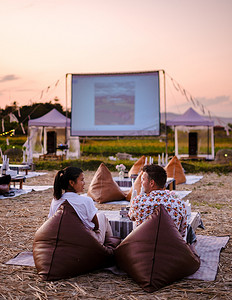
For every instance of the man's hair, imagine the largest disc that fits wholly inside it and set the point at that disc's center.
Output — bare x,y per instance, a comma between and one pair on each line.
157,173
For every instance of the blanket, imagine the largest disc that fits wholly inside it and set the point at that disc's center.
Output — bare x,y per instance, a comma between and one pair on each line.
191,179
208,248
14,192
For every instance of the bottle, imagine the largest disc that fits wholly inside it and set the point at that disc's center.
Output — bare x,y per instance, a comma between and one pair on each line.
3,167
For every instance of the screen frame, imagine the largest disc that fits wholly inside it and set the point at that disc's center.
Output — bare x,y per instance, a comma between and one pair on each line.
133,132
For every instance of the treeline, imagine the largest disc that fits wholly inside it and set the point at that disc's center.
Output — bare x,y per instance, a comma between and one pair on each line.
24,113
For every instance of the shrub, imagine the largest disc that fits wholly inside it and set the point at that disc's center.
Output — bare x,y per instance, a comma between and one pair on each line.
14,154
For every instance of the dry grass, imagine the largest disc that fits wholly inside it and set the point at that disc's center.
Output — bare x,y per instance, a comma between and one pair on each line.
20,217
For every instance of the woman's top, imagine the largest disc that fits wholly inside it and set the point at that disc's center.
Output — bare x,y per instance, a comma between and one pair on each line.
83,205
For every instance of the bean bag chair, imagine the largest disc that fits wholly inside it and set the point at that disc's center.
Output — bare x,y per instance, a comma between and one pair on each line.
154,254
103,188
4,188
64,248
137,186
175,170
137,167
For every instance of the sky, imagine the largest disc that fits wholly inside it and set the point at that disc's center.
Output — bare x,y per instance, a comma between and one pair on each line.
43,40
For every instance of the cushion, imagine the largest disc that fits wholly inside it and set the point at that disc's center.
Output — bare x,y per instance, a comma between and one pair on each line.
137,167
137,186
64,248
154,254
174,169
103,188
5,179
4,188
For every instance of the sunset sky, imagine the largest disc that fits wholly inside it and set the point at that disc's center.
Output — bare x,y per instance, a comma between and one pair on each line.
42,40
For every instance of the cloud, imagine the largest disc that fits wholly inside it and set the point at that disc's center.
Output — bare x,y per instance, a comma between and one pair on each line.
9,77
212,101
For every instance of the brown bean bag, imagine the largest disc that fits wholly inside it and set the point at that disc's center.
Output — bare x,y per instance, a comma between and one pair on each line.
154,254
174,169
5,179
64,248
4,188
137,167
137,186
103,188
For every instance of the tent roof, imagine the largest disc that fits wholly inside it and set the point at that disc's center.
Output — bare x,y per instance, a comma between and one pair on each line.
190,118
52,119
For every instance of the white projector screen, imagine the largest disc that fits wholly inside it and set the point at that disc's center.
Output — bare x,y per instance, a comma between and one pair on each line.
119,104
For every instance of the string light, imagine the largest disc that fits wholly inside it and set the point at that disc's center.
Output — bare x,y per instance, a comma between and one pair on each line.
49,88
8,133
196,103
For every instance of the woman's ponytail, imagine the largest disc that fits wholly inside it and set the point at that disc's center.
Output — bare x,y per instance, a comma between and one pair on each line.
58,184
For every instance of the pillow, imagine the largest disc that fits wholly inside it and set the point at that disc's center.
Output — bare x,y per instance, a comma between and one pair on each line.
137,186
137,167
4,188
174,169
64,248
154,254
5,179
103,188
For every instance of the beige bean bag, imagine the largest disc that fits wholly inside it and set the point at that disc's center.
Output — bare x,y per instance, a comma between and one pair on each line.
174,169
103,188
137,167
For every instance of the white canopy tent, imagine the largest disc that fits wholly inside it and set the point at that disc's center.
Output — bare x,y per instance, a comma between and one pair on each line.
198,130
49,131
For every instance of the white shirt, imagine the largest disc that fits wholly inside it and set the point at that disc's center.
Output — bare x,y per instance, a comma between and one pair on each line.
83,205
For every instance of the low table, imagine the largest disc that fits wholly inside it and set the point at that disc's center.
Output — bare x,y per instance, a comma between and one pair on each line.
18,178
122,226
126,182
19,167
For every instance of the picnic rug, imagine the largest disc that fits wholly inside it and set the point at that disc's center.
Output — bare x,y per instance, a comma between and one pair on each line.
208,248
14,192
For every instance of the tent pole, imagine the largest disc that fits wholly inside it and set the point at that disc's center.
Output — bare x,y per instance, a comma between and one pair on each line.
66,114
176,141
165,115
208,144
212,141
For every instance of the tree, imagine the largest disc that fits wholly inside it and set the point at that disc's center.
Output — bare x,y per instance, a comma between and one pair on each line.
27,112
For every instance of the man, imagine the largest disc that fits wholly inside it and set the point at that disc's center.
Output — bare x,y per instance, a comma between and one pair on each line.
153,182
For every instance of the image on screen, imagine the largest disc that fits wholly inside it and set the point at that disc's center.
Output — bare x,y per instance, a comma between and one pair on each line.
114,103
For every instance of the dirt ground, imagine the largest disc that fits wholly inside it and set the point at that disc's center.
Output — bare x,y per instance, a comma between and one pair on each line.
21,216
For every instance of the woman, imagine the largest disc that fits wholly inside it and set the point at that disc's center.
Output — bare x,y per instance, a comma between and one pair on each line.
71,180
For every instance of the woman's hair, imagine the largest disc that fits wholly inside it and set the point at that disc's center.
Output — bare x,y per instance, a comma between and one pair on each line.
62,178
157,173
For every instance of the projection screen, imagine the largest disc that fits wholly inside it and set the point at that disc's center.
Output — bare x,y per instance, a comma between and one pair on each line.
115,104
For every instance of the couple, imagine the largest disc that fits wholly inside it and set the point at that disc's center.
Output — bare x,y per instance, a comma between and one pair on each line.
71,181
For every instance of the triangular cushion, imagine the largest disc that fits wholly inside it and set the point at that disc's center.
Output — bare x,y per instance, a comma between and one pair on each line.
103,188
155,254
137,167
174,169
137,186
4,188
64,248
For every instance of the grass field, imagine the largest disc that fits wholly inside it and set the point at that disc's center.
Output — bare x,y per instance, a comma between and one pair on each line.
99,149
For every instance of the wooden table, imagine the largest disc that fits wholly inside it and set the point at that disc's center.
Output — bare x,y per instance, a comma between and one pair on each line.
19,167
18,178
122,226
